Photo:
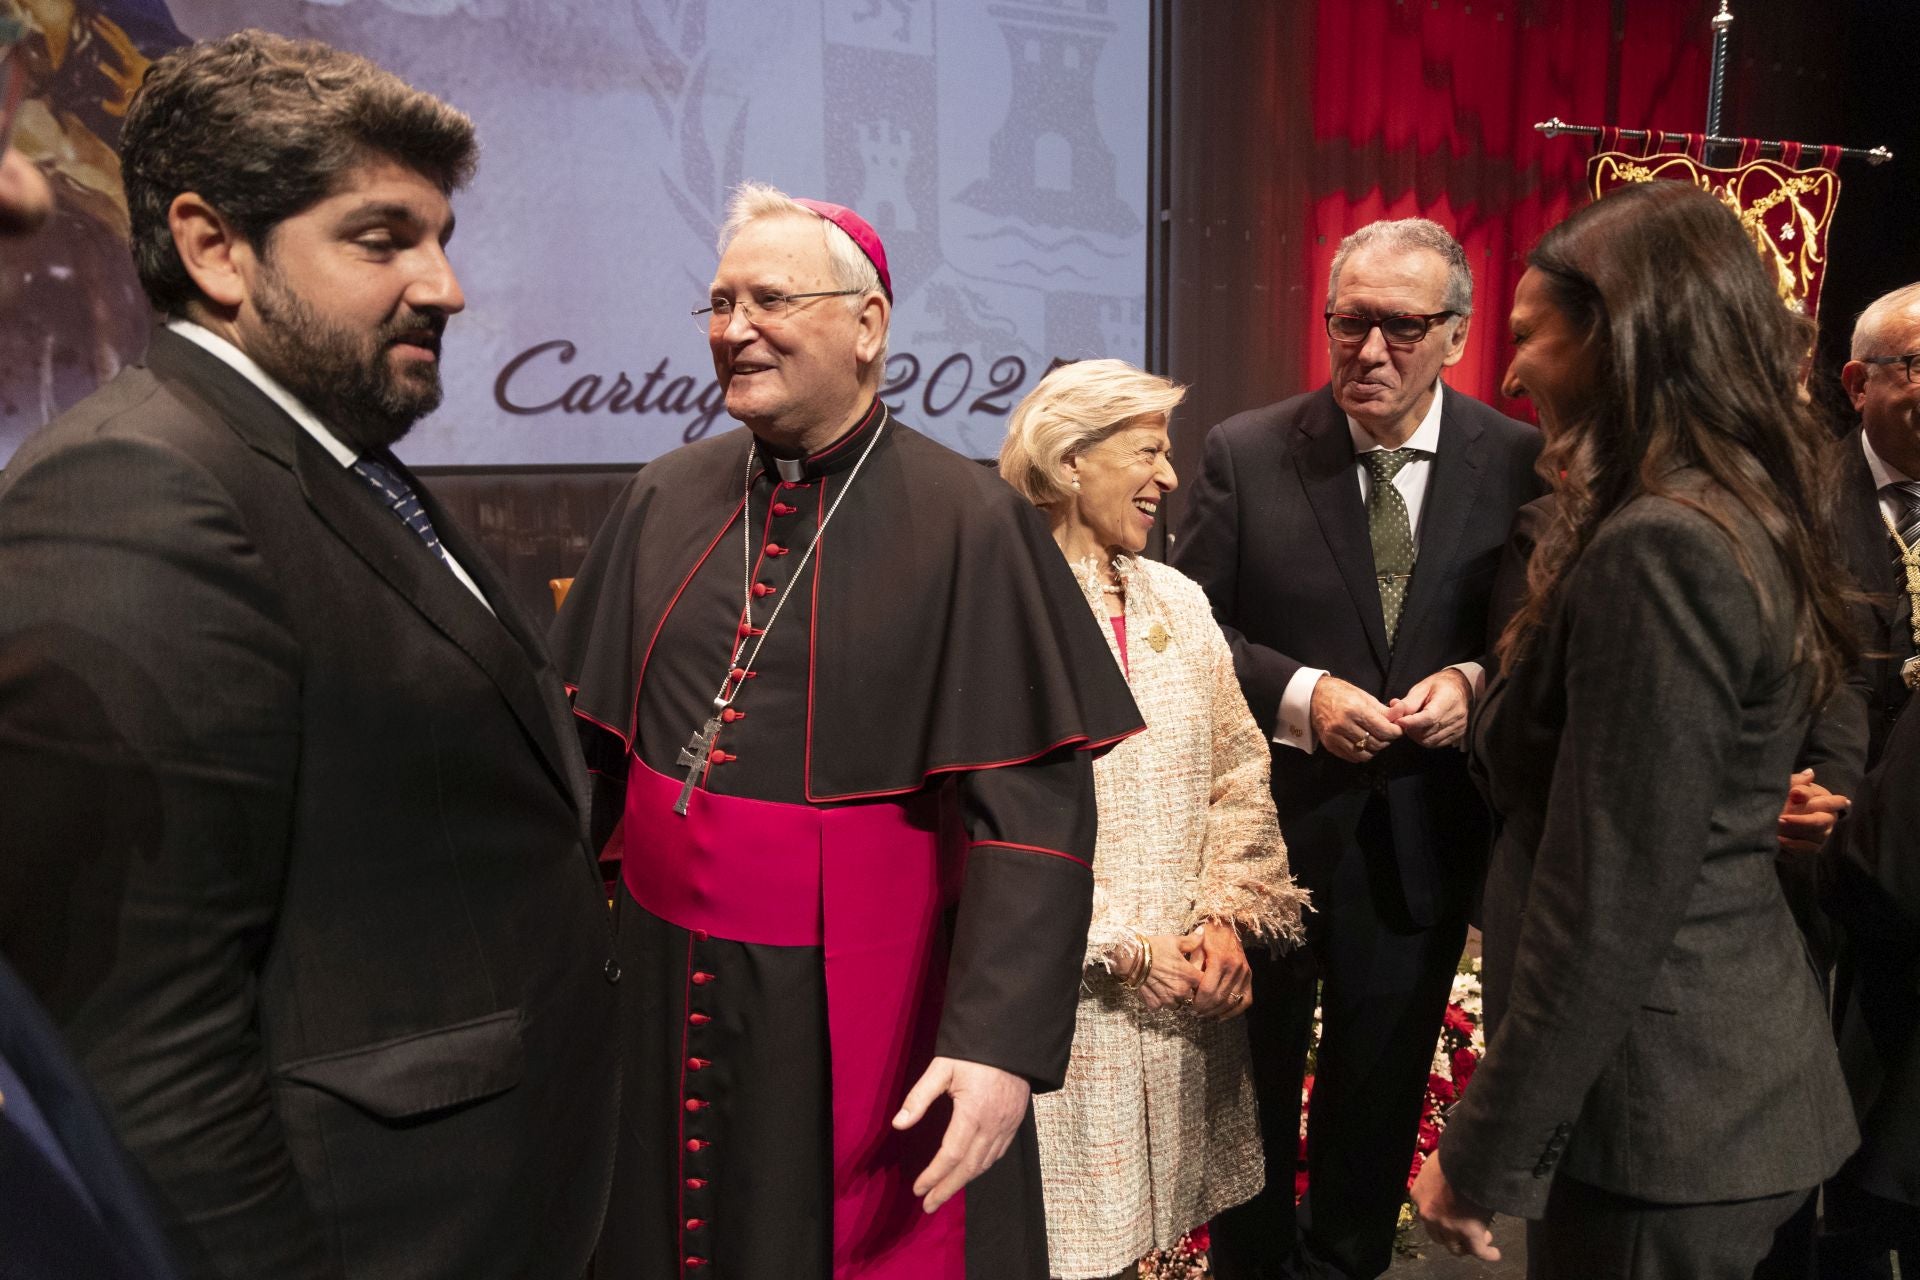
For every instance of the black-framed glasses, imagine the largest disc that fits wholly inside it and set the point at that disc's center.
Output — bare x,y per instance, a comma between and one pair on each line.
1911,360
1399,331
768,309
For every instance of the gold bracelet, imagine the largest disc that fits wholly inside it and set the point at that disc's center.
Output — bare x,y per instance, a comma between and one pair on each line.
1146,961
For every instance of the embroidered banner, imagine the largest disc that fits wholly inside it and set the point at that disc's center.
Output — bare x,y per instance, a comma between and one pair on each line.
1785,209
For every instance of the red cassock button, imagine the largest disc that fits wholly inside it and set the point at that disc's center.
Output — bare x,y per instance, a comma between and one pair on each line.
782,509
695,1262
762,589
701,935
697,1104
698,1019
698,1064
736,675
694,1224
775,551
697,1144
748,629
702,979
694,1184
729,715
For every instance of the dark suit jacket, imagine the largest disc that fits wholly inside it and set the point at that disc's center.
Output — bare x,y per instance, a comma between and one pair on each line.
1276,533
47,1232
296,853
1873,889
1888,638
1835,747
1656,1026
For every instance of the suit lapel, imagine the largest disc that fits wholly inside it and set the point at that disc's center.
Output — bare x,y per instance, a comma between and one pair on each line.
1325,461
1453,484
345,504
559,744
1870,550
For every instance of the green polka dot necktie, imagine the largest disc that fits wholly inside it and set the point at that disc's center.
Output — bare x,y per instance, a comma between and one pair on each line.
1391,532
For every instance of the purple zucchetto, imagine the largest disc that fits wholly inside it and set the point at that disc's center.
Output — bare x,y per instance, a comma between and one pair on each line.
862,233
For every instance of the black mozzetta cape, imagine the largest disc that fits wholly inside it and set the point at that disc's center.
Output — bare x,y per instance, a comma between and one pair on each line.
947,632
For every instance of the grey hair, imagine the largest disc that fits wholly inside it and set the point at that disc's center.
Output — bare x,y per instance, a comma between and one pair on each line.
1867,335
752,201
1408,234
1073,409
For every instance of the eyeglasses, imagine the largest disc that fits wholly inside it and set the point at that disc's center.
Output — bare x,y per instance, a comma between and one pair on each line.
1911,360
768,311
1399,331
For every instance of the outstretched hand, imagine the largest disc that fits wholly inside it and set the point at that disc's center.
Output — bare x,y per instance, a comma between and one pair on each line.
988,1106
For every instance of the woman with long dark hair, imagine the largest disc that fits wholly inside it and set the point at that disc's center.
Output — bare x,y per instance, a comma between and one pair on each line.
1660,1091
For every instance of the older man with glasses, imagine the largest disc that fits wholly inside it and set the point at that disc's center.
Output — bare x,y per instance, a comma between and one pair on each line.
838,689
1871,886
1348,539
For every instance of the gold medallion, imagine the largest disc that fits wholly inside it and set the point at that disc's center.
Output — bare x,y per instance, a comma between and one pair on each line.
1158,638
1910,672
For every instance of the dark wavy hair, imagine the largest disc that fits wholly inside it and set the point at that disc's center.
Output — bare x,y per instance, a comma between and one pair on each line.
1699,366
263,127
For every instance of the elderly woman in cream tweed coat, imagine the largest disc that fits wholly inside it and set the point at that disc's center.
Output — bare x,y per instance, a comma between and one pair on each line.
1155,1130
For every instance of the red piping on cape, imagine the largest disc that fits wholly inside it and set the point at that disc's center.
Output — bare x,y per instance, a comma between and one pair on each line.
640,676
1028,848
1079,742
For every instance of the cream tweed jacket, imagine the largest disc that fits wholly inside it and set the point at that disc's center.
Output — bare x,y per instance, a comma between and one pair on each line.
1155,1131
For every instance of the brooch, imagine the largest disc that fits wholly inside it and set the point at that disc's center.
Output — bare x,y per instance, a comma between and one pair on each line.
1158,637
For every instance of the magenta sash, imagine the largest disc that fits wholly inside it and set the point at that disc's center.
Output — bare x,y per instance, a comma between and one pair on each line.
867,882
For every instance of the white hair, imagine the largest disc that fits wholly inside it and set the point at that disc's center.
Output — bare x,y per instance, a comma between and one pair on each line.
1869,330
849,264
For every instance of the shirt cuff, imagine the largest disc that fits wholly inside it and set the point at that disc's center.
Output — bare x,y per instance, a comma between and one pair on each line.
1296,711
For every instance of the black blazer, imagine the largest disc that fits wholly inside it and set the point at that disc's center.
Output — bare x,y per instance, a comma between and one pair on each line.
1276,533
1656,1027
1888,627
46,1232
297,856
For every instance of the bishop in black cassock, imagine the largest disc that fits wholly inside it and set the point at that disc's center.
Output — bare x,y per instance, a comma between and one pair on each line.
884,855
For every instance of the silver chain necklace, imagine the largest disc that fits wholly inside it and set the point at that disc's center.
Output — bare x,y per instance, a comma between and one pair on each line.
699,747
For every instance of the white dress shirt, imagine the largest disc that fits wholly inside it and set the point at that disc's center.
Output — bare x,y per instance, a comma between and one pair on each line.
1295,727
243,364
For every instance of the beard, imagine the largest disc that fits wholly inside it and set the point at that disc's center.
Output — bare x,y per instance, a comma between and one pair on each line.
344,376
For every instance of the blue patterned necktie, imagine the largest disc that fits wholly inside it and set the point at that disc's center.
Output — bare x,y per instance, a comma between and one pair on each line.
402,501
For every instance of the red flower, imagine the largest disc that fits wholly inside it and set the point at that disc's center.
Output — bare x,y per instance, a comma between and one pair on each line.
1440,1088
1456,1019
1419,1158
1465,1061
1429,1136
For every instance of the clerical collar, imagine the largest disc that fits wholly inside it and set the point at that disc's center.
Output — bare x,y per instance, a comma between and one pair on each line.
835,458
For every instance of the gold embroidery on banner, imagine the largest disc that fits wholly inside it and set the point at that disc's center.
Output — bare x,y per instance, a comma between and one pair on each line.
1791,239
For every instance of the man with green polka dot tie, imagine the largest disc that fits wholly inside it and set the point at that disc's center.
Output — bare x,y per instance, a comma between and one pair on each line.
1348,539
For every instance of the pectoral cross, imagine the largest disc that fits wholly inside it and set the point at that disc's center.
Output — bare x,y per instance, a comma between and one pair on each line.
694,757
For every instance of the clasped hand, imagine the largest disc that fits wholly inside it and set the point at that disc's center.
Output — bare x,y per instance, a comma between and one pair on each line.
1205,970
1355,726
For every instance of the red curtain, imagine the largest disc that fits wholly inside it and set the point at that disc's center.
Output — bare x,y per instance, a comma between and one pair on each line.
1301,122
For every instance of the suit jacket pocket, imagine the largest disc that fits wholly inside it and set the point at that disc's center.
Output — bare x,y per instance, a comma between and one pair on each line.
425,1071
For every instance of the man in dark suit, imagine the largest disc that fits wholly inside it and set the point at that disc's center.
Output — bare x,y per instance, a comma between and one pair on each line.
71,1205
295,849
1348,539
1873,1206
